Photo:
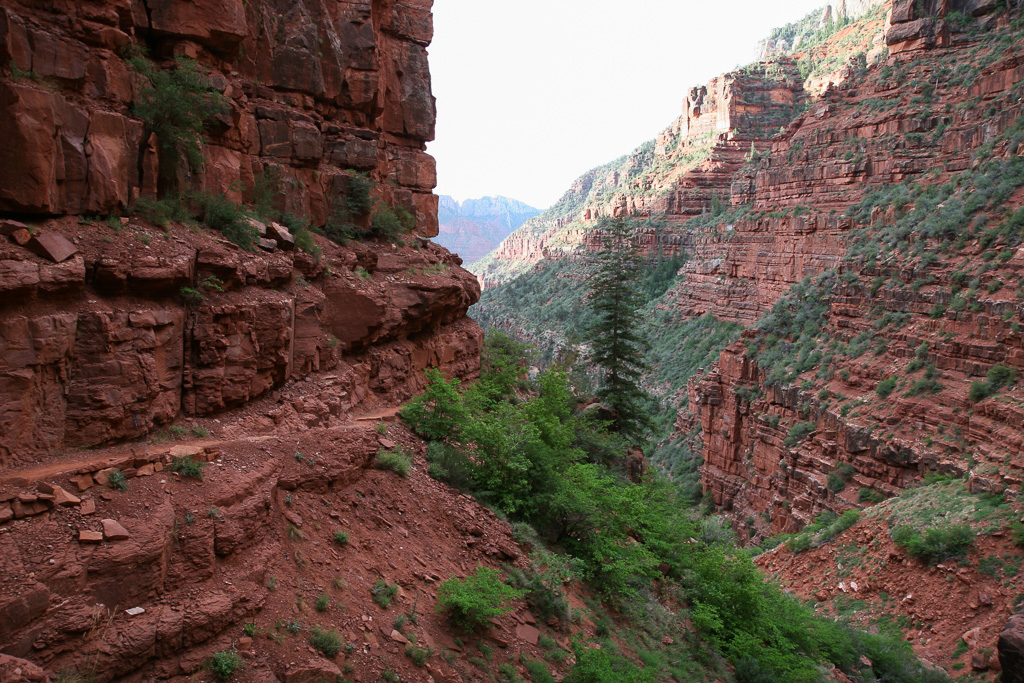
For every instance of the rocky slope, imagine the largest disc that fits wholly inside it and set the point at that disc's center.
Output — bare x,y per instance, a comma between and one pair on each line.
473,228
118,333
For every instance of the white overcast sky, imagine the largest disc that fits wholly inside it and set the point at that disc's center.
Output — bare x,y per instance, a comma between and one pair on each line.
532,93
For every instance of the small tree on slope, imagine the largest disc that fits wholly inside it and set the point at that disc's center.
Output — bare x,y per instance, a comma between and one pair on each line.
616,347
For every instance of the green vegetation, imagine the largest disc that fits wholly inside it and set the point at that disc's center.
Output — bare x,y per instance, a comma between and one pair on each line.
118,480
187,466
936,544
616,347
176,104
341,537
327,643
225,663
540,461
998,376
886,387
826,526
383,593
482,595
840,477
395,460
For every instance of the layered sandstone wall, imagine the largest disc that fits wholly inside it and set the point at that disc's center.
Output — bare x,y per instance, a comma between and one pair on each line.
887,128
129,327
314,87
104,347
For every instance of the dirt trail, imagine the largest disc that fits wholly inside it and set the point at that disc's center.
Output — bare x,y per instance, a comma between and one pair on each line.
113,454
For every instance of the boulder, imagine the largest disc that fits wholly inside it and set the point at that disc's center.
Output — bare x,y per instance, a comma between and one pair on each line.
53,246
113,531
1011,650
15,670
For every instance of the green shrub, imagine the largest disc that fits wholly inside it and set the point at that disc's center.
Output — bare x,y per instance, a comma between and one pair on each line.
799,432
936,544
304,242
117,480
383,593
341,537
978,391
176,105
322,602
838,479
160,212
438,412
1017,533
998,376
396,460
886,387
225,663
482,595
186,466
538,671
326,642
390,222
221,214
418,655
869,495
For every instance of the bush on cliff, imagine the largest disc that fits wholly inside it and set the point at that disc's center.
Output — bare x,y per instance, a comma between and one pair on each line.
176,104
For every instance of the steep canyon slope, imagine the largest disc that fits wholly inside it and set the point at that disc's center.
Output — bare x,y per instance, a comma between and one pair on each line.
872,250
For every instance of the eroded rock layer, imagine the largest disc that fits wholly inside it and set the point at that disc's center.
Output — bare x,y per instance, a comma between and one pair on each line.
900,302
144,326
314,87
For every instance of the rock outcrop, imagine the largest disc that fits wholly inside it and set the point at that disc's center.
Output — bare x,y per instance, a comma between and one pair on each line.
1011,650
802,221
314,89
128,335
110,329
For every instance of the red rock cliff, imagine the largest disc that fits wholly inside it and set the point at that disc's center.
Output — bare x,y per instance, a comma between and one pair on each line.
875,132
314,86
123,327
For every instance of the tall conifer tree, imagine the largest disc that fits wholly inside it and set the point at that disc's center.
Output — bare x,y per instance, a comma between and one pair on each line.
616,346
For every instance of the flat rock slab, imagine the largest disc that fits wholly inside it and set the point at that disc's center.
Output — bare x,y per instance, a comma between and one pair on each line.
194,452
9,227
53,246
113,531
86,536
88,506
528,633
63,498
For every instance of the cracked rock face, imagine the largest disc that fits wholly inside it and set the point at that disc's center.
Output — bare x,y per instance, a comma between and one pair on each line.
314,87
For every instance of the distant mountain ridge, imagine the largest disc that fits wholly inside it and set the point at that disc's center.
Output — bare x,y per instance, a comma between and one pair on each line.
473,228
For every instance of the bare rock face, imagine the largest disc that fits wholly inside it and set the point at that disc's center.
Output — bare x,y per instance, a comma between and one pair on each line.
1011,650
315,88
106,335
15,670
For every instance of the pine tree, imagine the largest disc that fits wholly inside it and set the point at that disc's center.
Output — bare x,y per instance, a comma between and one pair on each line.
616,346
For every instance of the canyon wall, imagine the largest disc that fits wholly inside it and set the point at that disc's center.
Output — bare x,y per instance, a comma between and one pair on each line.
933,113
314,88
674,178
110,328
